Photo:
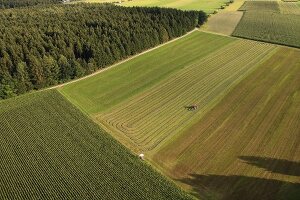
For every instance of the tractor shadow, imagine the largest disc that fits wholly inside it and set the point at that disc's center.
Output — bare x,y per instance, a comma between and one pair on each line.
241,187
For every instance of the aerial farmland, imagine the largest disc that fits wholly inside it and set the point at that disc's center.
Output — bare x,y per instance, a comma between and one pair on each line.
270,21
150,99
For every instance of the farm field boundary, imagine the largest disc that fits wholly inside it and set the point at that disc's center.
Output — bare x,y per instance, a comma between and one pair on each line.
46,153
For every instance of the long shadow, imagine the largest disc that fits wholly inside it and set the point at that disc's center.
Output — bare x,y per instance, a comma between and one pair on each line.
280,166
241,188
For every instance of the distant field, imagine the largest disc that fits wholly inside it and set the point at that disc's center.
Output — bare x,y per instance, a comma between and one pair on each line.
50,150
205,5
289,8
226,20
104,91
223,22
263,21
235,5
272,6
249,144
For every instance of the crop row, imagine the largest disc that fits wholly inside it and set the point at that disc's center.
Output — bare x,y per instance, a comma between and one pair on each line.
279,25
49,150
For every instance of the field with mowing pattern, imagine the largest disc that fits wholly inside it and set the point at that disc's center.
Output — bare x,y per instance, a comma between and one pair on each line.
50,150
270,21
217,117
249,144
103,91
242,140
157,115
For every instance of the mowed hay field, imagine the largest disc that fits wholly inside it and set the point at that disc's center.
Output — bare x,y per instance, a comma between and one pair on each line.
270,21
144,103
105,90
50,150
157,115
247,146
243,138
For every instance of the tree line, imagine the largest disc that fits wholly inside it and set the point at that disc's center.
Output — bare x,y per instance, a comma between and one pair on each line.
47,45
24,3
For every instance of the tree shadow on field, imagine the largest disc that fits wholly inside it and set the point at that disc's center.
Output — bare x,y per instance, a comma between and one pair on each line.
280,166
241,188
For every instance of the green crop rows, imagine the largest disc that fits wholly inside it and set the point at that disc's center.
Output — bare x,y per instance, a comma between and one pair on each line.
273,22
50,150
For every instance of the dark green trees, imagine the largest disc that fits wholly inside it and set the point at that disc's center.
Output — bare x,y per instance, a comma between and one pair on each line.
23,3
43,46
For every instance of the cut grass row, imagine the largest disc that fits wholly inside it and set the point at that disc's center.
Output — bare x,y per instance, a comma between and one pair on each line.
50,150
103,91
157,115
249,144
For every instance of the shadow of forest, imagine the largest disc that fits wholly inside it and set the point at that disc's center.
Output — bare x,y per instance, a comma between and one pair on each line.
280,166
242,188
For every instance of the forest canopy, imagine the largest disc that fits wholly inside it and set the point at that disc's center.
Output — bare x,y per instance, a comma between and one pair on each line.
23,3
44,46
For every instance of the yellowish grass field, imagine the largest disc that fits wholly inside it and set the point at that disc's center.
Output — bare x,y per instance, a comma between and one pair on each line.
223,22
